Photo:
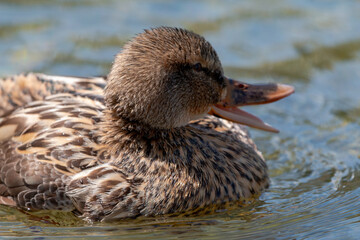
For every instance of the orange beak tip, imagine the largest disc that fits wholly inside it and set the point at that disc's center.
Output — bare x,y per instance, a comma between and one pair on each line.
286,90
282,91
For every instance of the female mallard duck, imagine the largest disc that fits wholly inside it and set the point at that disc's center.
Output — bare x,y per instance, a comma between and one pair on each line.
138,143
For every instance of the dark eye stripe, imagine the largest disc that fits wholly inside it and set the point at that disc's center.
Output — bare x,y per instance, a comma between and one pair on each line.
218,77
214,75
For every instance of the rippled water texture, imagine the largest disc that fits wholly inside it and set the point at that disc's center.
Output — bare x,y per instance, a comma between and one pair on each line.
314,161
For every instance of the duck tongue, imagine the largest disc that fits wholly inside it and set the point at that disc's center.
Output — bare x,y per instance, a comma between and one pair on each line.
241,94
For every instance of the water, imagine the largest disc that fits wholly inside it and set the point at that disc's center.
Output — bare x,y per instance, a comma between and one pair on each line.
314,161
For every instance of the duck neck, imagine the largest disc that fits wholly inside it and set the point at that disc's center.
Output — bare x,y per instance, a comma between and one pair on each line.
123,136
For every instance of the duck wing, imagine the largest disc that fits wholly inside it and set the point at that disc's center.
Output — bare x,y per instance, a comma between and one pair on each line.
44,143
19,90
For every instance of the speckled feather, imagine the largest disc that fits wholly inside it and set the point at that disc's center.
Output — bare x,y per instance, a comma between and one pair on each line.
17,91
42,144
63,147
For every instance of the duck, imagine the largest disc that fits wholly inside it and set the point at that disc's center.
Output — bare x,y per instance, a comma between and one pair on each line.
162,133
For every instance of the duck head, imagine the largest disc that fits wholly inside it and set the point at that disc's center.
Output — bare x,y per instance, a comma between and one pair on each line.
166,77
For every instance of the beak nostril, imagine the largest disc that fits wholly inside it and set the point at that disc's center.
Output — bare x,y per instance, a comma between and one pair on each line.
242,86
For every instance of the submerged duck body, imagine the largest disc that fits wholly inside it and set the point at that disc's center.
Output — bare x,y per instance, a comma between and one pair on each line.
137,143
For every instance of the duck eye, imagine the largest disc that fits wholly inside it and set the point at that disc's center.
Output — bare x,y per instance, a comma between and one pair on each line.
197,66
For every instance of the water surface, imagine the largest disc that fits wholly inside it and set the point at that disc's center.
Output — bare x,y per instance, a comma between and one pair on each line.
313,162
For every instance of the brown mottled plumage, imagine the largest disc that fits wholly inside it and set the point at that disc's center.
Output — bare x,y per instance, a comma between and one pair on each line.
144,147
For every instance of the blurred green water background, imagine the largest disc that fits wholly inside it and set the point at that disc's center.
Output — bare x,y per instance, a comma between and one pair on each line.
314,161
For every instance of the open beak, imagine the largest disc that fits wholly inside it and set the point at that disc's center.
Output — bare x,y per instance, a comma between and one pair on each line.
241,94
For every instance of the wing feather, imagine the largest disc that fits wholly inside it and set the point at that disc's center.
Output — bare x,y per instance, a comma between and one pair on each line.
48,128
17,91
